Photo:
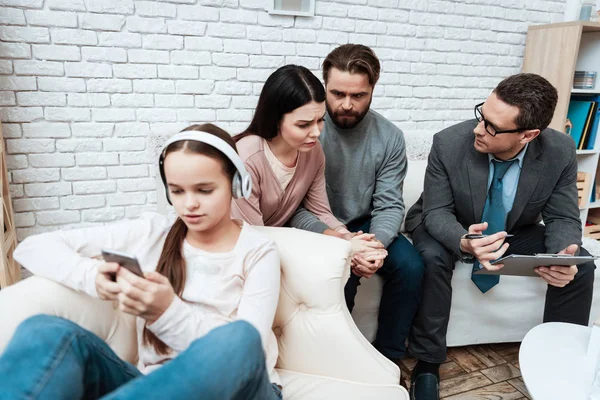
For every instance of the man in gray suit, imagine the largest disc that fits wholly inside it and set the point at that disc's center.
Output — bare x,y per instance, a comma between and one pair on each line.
502,172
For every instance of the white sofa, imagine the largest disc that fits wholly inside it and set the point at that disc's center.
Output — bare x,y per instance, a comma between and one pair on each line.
504,314
322,354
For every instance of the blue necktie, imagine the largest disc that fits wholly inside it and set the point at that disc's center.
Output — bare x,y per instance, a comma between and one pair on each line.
494,214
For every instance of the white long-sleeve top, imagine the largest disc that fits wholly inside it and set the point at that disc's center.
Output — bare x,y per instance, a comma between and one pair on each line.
242,284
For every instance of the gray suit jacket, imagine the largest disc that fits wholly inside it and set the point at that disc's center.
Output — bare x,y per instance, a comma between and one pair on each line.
455,189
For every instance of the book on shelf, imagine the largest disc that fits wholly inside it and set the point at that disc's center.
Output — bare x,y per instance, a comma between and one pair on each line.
584,114
585,137
578,114
595,127
584,80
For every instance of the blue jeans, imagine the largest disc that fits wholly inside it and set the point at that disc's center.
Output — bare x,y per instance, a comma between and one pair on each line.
402,272
53,358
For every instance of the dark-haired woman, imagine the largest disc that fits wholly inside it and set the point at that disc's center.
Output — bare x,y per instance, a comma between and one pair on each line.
281,151
204,307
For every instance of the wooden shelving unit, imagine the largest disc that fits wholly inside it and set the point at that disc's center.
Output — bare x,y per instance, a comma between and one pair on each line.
556,51
9,269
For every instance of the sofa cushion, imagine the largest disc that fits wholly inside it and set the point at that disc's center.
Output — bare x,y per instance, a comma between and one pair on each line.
413,185
504,314
37,295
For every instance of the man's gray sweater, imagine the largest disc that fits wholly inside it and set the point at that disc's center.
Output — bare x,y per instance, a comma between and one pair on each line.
365,170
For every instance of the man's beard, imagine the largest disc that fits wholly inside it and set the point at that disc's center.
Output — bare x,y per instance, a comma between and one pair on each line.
347,123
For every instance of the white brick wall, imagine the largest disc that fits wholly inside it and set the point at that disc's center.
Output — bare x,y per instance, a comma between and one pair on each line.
84,82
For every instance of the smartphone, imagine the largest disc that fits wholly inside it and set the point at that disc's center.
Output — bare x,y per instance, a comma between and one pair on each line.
125,260
469,236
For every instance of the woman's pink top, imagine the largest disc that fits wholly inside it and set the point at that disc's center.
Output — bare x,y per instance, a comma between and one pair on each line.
269,205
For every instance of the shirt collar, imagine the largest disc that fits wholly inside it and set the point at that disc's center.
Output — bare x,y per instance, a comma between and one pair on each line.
519,157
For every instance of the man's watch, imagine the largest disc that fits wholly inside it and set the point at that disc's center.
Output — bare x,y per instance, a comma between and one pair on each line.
464,256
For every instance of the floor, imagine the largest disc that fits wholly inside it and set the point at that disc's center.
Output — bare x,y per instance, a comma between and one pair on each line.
485,372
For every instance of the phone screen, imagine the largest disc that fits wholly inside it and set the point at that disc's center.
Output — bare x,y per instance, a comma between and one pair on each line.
125,260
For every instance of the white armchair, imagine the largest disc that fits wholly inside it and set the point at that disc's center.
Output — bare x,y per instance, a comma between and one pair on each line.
322,354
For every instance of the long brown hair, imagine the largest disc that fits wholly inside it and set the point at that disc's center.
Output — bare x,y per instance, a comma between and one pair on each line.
171,262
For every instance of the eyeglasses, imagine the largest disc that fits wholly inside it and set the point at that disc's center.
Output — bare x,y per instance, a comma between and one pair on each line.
489,127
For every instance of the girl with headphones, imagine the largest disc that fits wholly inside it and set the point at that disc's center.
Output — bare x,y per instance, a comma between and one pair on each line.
283,156
204,305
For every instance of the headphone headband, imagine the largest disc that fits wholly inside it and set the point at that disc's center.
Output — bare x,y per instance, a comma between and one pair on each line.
217,143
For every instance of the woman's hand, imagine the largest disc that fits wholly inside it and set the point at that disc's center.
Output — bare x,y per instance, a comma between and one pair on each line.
364,243
332,232
147,297
350,235
106,286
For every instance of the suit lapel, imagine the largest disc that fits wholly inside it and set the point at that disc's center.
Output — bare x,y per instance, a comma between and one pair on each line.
478,168
528,181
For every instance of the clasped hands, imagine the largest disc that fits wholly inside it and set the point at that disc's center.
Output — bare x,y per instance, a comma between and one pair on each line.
147,297
368,253
493,247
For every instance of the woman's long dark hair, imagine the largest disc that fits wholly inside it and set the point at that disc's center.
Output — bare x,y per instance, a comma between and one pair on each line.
171,262
286,89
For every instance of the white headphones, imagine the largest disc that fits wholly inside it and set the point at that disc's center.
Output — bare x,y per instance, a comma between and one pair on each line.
241,186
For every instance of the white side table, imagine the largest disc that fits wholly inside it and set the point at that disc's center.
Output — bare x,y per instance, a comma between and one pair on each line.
553,361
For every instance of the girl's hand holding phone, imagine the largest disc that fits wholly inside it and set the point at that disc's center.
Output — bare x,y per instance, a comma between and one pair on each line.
106,286
147,297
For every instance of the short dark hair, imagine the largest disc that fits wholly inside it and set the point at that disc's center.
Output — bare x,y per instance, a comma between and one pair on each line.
535,97
286,89
353,58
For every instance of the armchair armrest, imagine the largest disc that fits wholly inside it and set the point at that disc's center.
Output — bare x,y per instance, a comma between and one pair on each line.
36,295
315,332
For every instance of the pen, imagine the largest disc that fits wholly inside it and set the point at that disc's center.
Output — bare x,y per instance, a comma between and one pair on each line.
470,236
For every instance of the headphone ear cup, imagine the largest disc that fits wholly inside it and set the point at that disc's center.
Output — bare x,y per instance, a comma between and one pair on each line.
246,186
167,195
236,186
161,168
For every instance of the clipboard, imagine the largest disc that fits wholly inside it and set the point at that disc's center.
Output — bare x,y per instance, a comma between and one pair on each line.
522,265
